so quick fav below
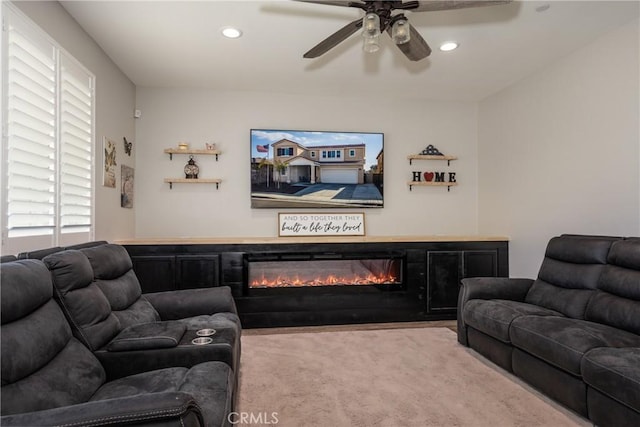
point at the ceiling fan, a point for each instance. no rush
(379, 17)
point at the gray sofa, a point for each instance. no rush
(573, 333)
(50, 378)
(101, 296)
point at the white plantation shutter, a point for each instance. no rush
(48, 110)
(76, 142)
(31, 134)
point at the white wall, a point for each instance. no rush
(198, 116)
(559, 152)
(115, 102)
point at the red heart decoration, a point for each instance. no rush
(428, 176)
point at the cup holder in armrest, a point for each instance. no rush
(201, 341)
(148, 336)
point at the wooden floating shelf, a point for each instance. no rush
(172, 151)
(170, 181)
(432, 184)
(412, 157)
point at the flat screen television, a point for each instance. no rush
(316, 169)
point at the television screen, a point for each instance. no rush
(316, 169)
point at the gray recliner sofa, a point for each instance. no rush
(573, 333)
(101, 296)
(50, 378)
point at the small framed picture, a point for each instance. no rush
(109, 179)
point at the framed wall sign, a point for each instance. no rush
(321, 224)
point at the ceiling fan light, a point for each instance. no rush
(401, 31)
(371, 44)
(371, 25)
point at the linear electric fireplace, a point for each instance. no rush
(325, 270)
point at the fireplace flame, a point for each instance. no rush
(329, 280)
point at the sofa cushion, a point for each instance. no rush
(43, 366)
(562, 341)
(210, 383)
(114, 275)
(83, 303)
(626, 253)
(494, 317)
(569, 273)
(617, 301)
(615, 311)
(29, 287)
(614, 372)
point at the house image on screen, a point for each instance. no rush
(328, 164)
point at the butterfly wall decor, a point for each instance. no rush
(127, 146)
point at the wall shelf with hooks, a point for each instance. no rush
(412, 157)
(171, 181)
(432, 184)
(172, 151)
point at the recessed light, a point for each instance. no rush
(448, 46)
(231, 33)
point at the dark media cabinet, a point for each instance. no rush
(427, 274)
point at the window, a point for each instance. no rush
(47, 153)
(352, 153)
(286, 151)
(331, 154)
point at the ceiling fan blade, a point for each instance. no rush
(335, 3)
(436, 5)
(334, 39)
(416, 48)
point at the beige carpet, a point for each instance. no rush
(388, 377)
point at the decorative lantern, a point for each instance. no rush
(191, 169)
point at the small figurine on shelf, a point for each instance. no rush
(211, 146)
(431, 151)
(191, 169)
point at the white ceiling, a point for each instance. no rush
(178, 44)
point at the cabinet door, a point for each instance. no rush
(197, 271)
(155, 273)
(443, 280)
(480, 264)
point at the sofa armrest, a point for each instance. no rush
(150, 409)
(147, 336)
(172, 305)
(488, 288)
(225, 347)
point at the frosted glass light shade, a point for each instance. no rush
(371, 25)
(401, 31)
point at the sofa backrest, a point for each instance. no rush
(82, 301)
(7, 258)
(113, 274)
(87, 244)
(569, 273)
(617, 300)
(42, 365)
(39, 253)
